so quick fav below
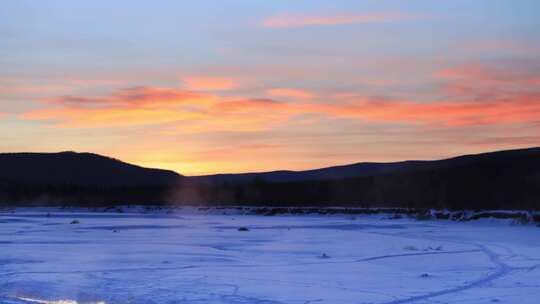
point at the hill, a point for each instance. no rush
(366, 169)
(504, 179)
(335, 172)
(79, 179)
(82, 169)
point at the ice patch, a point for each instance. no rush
(31, 300)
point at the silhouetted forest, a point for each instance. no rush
(497, 180)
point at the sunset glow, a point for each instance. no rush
(212, 87)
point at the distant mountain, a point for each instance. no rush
(365, 169)
(504, 179)
(336, 172)
(80, 169)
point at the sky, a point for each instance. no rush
(205, 87)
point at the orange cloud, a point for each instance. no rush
(190, 111)
(285, 20)
(515, 91)
(523, 109)
(136, 106)
(125, 107)
(289, 92)
(481, 74)
(247, 115)
(138, 97)
(102, 118)
(508, 140)
(247, 105)
(209, 83)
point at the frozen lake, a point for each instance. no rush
(193, 258)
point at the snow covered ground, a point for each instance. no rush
(185, 257)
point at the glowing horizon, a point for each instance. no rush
(205, 88)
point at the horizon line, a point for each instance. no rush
(281, 170)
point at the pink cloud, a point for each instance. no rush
(136, 97)
(136, 106)
(287, 20)
(480, 96)
(204, 83)
(289, 92)
(523, 108)
(482, 74)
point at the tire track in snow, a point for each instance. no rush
(502, 270)
(414, 254)
(101, 270)
(379, 257)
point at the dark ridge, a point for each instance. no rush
(496, 180)
(80, 169)
(337, 172)
(362, 169)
